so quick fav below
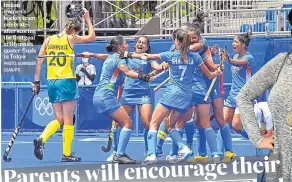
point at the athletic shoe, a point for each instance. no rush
(199, 159)
(70, 158)
(150, 159)
(216, 159)
(171, 158)
(38, 148)
(184, 153)
(228, 157)
(123, 159)
(111, 157)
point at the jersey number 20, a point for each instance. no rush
(61, 61)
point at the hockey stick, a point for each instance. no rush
(16, 131)
(161, 84)
(113, 127)
(264, 171)
(62, 55)
(213, 81)
(156, 75)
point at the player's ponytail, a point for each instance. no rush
(115, 43)
(245, 38)
(72, 25)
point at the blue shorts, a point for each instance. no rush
(62, 90)
(199, 92)
(215, 92)
(175, 98)
(136, 97)
(230, 101)
(181, 111)
(105, 102)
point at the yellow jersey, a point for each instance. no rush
(59, 67)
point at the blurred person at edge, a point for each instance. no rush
(277, 76)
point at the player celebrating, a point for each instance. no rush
(136, 92)
(104, 98)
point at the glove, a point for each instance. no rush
(144, 77)
(36, 87)
(126, 54)
(83, 70)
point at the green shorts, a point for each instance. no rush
(62, 90)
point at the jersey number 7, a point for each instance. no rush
(183, 68)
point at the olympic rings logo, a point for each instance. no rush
(44, 106)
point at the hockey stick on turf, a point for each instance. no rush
(16, 131)
(113, 126)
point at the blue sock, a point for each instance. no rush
(162, 134)
(145, 139)
(190, 130)
(116, 136)
(176, 138)
(211, 139)
(226, 137)
(174, 147)
(244, 133)
(220, 145)
(152, 139)
(123, 141)
(202, 147)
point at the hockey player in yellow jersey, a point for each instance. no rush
(62, 86)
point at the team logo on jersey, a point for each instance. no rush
(289, 118)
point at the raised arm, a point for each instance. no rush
(101, 57)
(264, 79)
(126, 71)
(146, 56)
(234, 62)
(143, 56)
(91, 34)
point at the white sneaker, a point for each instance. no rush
(151, 159)
(111, 157)
(171, 158)
(184, 153)
(216, 159)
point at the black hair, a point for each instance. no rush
(245, 38)
(148, 43)
(73, 24)
(114, 44)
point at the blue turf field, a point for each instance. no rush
(88, 147)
